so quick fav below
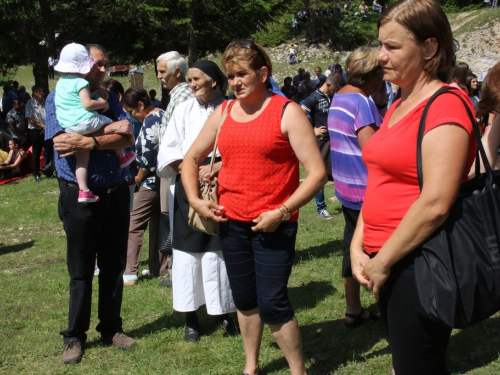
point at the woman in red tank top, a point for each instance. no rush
(261, 142)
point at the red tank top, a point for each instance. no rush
(259, 168)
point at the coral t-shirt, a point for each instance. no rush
(391, 159)
(260, 170)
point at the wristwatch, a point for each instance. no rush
(96, 144)
(285, 212)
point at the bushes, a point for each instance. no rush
(344, 33)
(277, 32)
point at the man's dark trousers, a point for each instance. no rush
(92, 229)
(37, 141)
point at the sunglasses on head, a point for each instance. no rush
(247, 44)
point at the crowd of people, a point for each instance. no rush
(300, 18)
(356, 127)
(22, 118)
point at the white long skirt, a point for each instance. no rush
(199, 279)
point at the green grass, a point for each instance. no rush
(24, 75)
(34, 303)
(34, 295)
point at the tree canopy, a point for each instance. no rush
(131, 31)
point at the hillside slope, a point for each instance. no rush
(477, 35)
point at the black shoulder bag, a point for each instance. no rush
(457, 269)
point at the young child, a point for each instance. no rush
(76, 111)
(154, 102)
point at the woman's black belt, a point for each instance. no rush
(95, 190)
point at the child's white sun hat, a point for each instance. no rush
(74, 59)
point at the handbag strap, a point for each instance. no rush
(223, 118)
(477, 135)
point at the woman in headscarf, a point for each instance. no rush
(198, 273)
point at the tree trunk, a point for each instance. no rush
(41, 72)
(192, 46)
(50, 37)
(312, 24)
(39, 53)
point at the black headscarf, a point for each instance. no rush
(211, 69)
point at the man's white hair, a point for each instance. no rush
(174, 60)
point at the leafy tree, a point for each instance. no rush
(131, 31)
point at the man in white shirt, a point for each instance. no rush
(172, 70)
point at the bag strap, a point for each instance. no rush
(223, 118)
(477, 135)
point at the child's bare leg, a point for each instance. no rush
(82, 163)
(120, 153)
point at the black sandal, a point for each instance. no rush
(358, 319)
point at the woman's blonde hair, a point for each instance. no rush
(249, 52)
(425, 19)
(362, 66)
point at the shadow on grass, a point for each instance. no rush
(319, 251)
(330, 344)
(307, 296)
(167, 321)
(474, 347)
(15, 248)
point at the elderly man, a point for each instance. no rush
(35, 113)
(172, 72)
(99, 229)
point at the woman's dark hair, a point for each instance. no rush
(470, 90)
(460, 72)
(16, 140)
(115, 87)
(490, 91)
(134, 95)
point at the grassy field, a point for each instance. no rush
(25, 77)
(34, 303)
(34, 299)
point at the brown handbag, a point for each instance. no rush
(208, 191)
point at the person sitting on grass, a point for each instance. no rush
(76, 111)
(12, 166)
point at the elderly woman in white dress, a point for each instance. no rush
(198, 273)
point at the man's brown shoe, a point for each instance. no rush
(73, 352)
(120, 340)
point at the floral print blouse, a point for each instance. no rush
(146, 146)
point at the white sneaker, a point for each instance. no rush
(129, 279)
(324, 215)
(146, 273)
(96, 270)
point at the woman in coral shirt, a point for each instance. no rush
(416, 45)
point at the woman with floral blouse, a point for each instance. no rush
(146, 209)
